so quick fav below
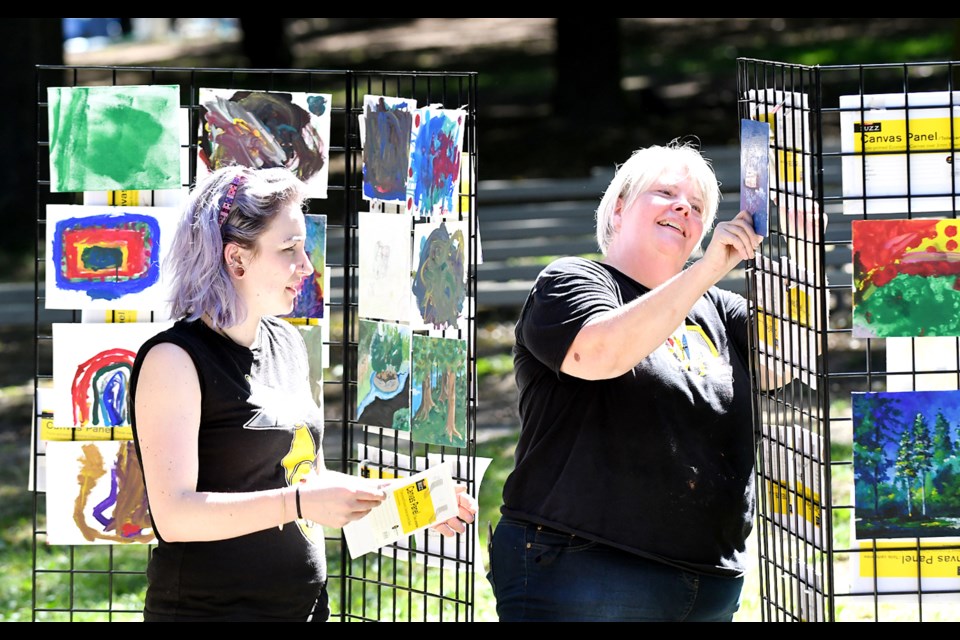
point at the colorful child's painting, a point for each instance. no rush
(309, 303)
(906, 278)
(383, 375)
(260, 129)
(438, 405)
(440, 274)
(96, 494)
(92, 363)
(755, 173)
(114, 137)
(107, 257)
(384, 266)
(435, 161)
(387, 129)
(905, 464)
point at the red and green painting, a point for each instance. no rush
(906, 278)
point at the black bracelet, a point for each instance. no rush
(299, 513)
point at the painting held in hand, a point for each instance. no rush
(260, 130)
(386, 247)
(114, 137)
(107, 257)
(906, 473)
(383, 375)
(438, 404)
(91, 373)
(387, 128)
(309, 302)
(755, 173)
(435, 161)
(440, 276)
(96, 494)
(906, 278)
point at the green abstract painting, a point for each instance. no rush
(114, 138)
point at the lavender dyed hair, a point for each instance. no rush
(201, 281)
(636, 175)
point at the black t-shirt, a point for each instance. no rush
(259, 429)
(659, 461)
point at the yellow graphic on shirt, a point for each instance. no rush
(692, 348)
(300, 460)
(415, 506)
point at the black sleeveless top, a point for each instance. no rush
(259, 429)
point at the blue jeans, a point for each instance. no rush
(539, 574)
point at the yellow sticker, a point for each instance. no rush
(123, 198)
(65, 434)
(415, 505)
(936, 561)
(790, 169)
(779, 498)
(769, 330)
(303, 321)
(926, 134)
(121, 316)
(808, 504)
(797, 306)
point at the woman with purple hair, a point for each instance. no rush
(225, 424)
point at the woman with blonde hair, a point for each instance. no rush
(632, 494)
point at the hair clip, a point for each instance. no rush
(227, 205)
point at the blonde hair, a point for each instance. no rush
(643, 167)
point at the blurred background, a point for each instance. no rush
(558, 96)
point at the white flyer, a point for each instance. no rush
(413, 503)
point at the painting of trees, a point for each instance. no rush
(439, 397)
(906, 471)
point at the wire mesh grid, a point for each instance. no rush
(402, 582)
(856, 507)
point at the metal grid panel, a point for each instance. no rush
(400, 583)
(813, 565)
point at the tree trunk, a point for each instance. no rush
(265, 43)
(427, 404)
(450, 391)
(24, 43)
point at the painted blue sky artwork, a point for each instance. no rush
(906, 461)
(755, 173)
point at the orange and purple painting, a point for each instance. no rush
(906, 278)
(96, 494)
